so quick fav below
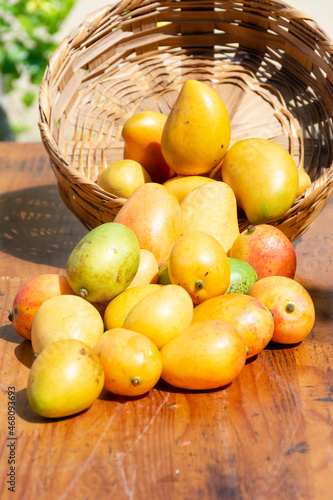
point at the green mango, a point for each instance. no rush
(104, 262)
(163, 275)
(242, 276)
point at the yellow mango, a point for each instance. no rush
(117, 310)
(207, 355)
(304, 181)
(212, 208)
(65, 378)
(263, 176)
(197, 132)
(182, 185)
(147, 272)
(162, 315)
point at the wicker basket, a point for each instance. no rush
(272, 66)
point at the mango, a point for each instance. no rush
(163, 274)
(263, 176)
(291, 306)
(31, 296)
(153, 213)
(131, 362)
(207, 355)
(252, 319)
(118, 308)
(122, 177)
(197, 132)
(142, 136)
(104, 262)
(161, 315)
(212, 208)
(199, 264)
(242, 276)
(66, 378)
(304, 181)
(180, 186)
(147, 273)
(267, 249)
(66, 316)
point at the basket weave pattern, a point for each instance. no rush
(272, 66)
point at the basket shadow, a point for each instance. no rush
(37, 226)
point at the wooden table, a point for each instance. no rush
(269, 435)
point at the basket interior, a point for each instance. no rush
(272, 68)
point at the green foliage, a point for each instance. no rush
(27, 29)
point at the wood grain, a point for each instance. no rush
(268, 435)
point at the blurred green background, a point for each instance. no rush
(30, 30)
(27, 39)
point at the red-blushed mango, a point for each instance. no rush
(291, 305)
(153, 213)
(267, 249)
(207, 355)
(252, 319)
(31, 296)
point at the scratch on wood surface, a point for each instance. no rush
(121, 456)
(127, 487)
(82, 469)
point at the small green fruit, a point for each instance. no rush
(242, 276)
(163, 275)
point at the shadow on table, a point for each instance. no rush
(37, 226)
(23, 411)
(8, 333)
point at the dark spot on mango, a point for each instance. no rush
(136, 381)
(199, 284)
(290, 307)
(83, 292)
(251, 229)
(83, 351)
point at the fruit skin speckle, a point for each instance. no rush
(242, 276)
(267, 250)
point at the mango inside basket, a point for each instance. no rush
(272, 66)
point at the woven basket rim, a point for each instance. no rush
(89, 29)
